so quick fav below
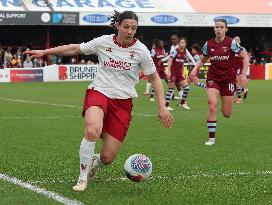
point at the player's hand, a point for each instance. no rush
(167, 73)
(35, 53)
(193, 75)
(244, 81)
(165, 117)
(160, 63)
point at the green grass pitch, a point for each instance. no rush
(39, 144)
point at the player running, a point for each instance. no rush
(221, 75)
(175, 69)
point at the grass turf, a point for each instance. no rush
(39, 144)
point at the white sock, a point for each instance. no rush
(97, 163)
(147, 88)
(86, 153)
(180, 94)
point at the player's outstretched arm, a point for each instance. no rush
(66, 50)
(245, 57)
(199, 64)
(164, 115)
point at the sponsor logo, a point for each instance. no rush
(62, 73)
(45, 17)
(33, 75)
(164, 19)
(220, 58)
(57, 17)
(96, 18)
(121, 65)
(82, 72)
(109, 50)
(229, 19)
(180, 60)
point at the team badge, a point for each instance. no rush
(224, 49)
(132, 54)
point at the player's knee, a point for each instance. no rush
(226, 114)
(106, 158)
(212, 107)
(92, 132)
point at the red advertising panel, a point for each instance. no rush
(31, 75)
(257, 72)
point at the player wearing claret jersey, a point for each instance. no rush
(157, 53)
(221, 75)
(238, 67)
(175, 69)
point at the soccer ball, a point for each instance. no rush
(138, 167)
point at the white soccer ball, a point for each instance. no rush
(138, 167)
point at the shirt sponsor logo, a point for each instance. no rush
(164, 19)
(229, 19)
(220, 58)
(96, 18)
(122, 65)
(179, 60)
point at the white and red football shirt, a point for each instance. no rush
(119, 66)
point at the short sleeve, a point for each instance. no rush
(90, 47)
(205, 49)
(235, 47)
(174, 53)
(146, 62)
(153, 53)
(196, 57)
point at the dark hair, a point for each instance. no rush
(222, 20)
(182, 38)
(196, 47)
(174, 34)
(116, 18)
(156, 42)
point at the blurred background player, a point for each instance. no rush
(196, 53)
(175, 69)
(157, 53)
(108, 100)
(221, 75)
(238, 67)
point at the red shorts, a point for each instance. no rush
(177, 77)
(161, 73)
(117, 112)
(225, 88)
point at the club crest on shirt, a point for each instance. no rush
(225, 49)
(132, 54)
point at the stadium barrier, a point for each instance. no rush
(55, 73)
(261, 72)
(52, 73)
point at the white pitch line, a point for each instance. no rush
(63, 105)
(40, 103)
(154, 178)
(38, 117)
(48, 194)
